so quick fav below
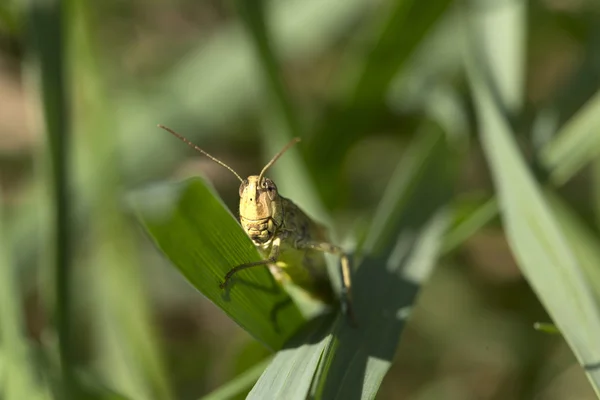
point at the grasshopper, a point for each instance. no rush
(291, 243)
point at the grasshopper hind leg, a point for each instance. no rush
(346, 295)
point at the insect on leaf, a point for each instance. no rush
(192, 227)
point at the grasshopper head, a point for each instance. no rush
(260, 208)
(261, 211)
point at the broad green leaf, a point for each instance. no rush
(533, 232)
(203, 240)
(401, 249)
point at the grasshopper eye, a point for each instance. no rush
(243, 186)
(269, 185)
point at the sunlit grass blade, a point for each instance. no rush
(501, 32)
(576, 144)
(534, 234)
(584, 243)
(290, 374)
(240, 384)
(203, 240)
(401, 249)
(596, 190)
(546, 328)
(470, 225)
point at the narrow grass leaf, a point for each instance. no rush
(291, 373)
(252, 13)
(127, 356)
(501, 31)
(535, 237)
(393, 39)
(17, 372)
(584, 243)
(203, 240)
(47, 23)
(240, 383)
(596, 191)
(576, 144)
(470, 225)
(401, 249)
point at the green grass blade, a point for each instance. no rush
(470, 225)
(535, 237)
(47, 22)
(126, 356)
(584, 243)
(401, 249)
(596, 190)
(501, 32)
(252, 12)
(291, 373)
(402, 28)
(546, 328)
(203, 240)
(240, 383)
(16, 369)
(576, 144)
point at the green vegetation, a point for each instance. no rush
(451, 147)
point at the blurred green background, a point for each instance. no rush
(359, 81)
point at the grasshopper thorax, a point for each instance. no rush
(261, 212)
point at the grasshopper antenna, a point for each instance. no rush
(192, 145)
(270, 164)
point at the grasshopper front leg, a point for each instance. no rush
(346, 294)
(273, 256)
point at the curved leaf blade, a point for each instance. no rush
(291, 373)
(534, 233)
(192, 227)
